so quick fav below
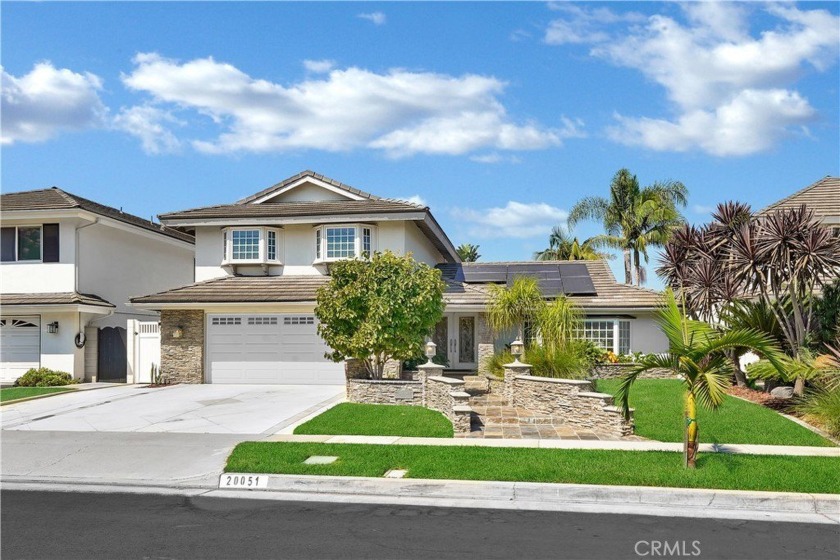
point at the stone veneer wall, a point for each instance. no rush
(386, 391)
(182, 359)
(572, 401)
(486, 348)
(612, 371)
(446, 395)
(355, 369)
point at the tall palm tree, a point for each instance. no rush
(468, 252)
(697, 353)
(562, 247)
(634, 218)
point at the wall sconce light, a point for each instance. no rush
(53, 327)
(517, 348)
(178, 332)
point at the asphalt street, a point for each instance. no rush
(38, 524)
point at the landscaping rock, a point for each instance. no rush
(782, 393)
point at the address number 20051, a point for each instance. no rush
(243, 481)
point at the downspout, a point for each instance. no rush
(80, 337)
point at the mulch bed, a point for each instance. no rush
(762, 398)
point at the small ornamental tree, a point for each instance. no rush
(378, 309)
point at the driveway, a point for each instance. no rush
(192, 409)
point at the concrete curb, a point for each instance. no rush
(738, 449)
(637, 500)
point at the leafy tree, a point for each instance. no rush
(468, 252)
(827, 311)
(379, 308)
(697, 355)
(561, 247)
(634, 218)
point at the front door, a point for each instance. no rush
(455, 337)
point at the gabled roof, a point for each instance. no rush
(57, 199)
(823, 197)
(296, 209)
(609, 293)
(53, 298)
(306, 173)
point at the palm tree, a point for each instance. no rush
(697, 354)
(634, 218)
(514, 305)
(468, 252)
(563, 248)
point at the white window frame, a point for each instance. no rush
(17, 260)
(358, 240)
(262, 258)
(616, 332)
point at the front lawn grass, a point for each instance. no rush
(13, 393)
(623, 468)
(659, 405)
(378, 420)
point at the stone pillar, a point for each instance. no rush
(425, 371)
(486, 348)
(182, 357)
(511, 371)
(393, 369)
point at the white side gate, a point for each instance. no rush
(143, 350)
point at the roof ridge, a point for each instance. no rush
(66, 195)
(795, 194)
(301, 175)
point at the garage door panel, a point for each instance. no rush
(20, 346)
(268, 349)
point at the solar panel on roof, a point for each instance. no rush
(484, 275)
(573, 269)
(551, 287)
(578, 285)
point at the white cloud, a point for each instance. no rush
(148, 124)
(39, 105)
(415, 199)
(515, 220)
(378, 18)
(399, 112)
(318, 66)
(701, 209)
(495, 157)
(583, 25)
(730, 91)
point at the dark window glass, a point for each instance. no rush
(51, 251)
(29, 243)
(8, 244)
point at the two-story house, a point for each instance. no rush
(249, 317)
(69, 266)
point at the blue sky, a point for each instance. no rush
(498, 115)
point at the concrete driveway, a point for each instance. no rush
(191, 409)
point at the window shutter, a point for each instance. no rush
(51, 252)
(7, 244)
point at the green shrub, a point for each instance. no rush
(44, 377)
(568, 361)
(822, 407)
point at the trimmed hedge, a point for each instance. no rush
(44, 377)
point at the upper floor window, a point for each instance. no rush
(29, 243)
(255, 245)
(334, 243)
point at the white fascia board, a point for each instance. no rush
(314, 220)
(143, 232)
(441, 235)
(302, 181)
(605, 311)
(46, 308)
(45, 215)
(232, 307)
(464, 307)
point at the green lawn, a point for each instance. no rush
(624, 468)
(13, 393)
(378, 420)
(659, 404)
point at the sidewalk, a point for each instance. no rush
(742, 449)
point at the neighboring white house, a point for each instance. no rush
(69, 267)
(249, 318)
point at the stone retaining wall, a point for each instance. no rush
(612, 371)
(447, 396)
(386, 391)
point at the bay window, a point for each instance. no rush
(345, 241)
(251, 245)
(609, 334)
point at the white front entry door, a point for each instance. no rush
(455, 336)
(20, 346)
(268, 349)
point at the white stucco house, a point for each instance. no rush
(249, 315)
(69, 267)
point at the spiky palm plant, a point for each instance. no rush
(468, 252)
(562, 247)
(697, 355)
(511, 306)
